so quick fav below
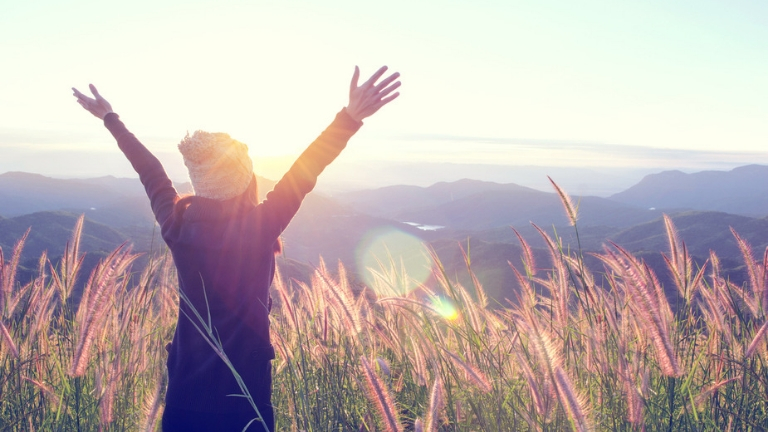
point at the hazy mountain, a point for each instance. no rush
(597, 181)
(24, 193)
(701, 232)
(392, 201)
(742, 190)
(474, 213)
(477, 205)
(50, 231)
(110, 200)
(490, 263)
(324, 227)
(123, 186)
(117, 202)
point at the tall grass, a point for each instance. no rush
(575, 351)
(95, 363)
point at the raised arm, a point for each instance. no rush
(282, 203)
(162, 194)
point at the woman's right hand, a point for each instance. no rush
(366, 99)
(96, 105)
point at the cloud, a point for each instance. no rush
(42, 139)
(582, 153)
(99, 139)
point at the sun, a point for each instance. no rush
(272, 167)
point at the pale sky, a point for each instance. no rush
(579, 83)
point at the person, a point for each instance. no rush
(223, 243)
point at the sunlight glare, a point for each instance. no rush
(445, 308)
(401, 258)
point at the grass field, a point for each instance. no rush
(576, 350)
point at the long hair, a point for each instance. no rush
(250, 197)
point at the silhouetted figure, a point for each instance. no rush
(223, 243)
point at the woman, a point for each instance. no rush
(223, 243)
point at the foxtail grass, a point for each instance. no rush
(577, 347)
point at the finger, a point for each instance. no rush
(85, 100)
(388, 90)
(390, 98)
(77, 93)
(375, 76)
(355, 78)
(388, 80)
(374, 107)
(94, 91)
(386, 100)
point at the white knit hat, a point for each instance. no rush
(219, 166)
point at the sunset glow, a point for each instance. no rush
(495, 82)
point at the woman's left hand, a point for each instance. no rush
(96, 105)
(366, 99)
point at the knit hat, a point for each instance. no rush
(219, 166)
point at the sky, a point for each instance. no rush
(591, 84)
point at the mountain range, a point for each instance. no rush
(448, 216)
(742, 190)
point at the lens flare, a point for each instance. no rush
(392, 262)
(445, 308)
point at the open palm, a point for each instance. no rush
(366, 99)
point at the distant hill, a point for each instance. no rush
(702, 232)
(335, 227)
(742, 190)
(391, 201)
(24, 193)
(110, 200)
(324, 227)
(489, 263)
(477, 205)
(117, 202)
(596, 181)
(50, 231)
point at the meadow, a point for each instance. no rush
(577, 350)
